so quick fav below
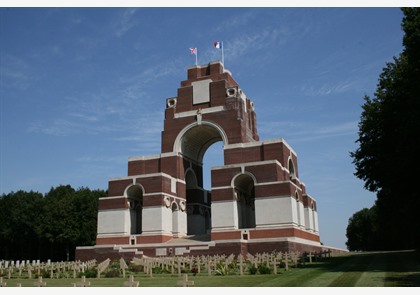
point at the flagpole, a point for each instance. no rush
(196, 57)
(223, 58)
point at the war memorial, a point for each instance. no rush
(257, 202)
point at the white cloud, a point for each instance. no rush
(328, 88)
(15, 72)
(125, 22)
(59, 127)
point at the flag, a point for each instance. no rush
(193, 51)
(218, 44)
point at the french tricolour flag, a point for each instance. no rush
(218, 44)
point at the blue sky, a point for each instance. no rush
(84, 89)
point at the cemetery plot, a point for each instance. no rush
(262, 269)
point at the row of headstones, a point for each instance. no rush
(210, 263)
(179, 263)
(53, 268)
(19, 263)
(82, 283)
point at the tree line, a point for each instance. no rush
(388, 156)
(48, 226)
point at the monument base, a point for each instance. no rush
(198, 245)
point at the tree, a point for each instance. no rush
(18, 224)
(361, 230)
(388, 156)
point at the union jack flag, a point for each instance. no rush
(193, 51)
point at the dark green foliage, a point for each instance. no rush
(361, 230)
(160, 270)
(50, 226)
(252, 269)
(389, 139)
(135, 268)
(264, 269)
(112, 273)
(89, 273)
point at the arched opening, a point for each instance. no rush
(193, 144)
(292, 172)
(245, 194)
(135, 201)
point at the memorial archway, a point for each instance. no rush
(192, 144)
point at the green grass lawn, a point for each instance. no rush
(379, 269)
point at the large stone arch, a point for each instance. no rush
(192, 143)
(194, 140)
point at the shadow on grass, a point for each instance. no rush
(402, 268)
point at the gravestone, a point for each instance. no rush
(131, 282)
(29, 269)
(102, 266)
(310, 257)
(123, 266)
(82, 283)
(40, 283)
(185, 282)
(241, 266)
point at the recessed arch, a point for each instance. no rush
(240, 176)
(291, 167)
(134, 194)
(244, 188)
(191, 179)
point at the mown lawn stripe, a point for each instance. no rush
(374, 275)
(403, 269)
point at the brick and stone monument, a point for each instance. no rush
(256, 203)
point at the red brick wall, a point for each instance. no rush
(113, 240)
(120, 203)
(228, 235)
(139, 167)
(117, 187)
(275, 189)
(152, 239)
(264, 173)
(222, 194)
(223, 177)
